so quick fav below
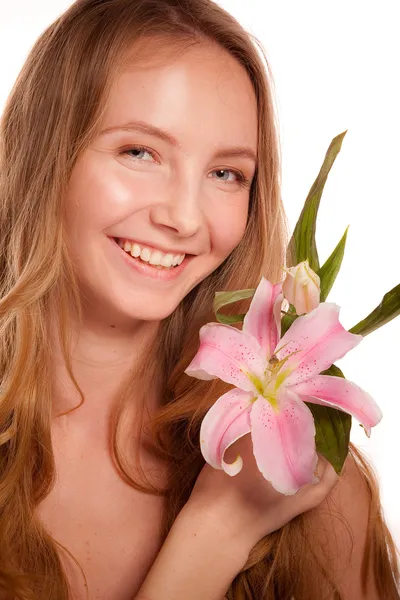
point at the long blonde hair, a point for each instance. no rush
(50, 117)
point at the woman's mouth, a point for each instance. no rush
(151, 256)
(143, 266)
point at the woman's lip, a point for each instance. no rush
(148, 270)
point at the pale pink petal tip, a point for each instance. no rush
(198, 373)
(367, 430)
(234, 468)
(226, 421)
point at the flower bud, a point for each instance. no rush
(302, 287)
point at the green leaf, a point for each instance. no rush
(332, 434)
(287, 321)
(302, 245)
(332, 428)
(329, 270)
(388, 309)
(224, 298)
(333, 371)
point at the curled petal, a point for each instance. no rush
(263, 319)
(226, 421)
(229, 354)
(342, 394)
(283, 442)
(316, 340)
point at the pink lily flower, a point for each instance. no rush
(273, 377)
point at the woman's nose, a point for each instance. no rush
(179, 209)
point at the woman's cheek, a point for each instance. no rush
(232, 220)
(228, 232)
(118, 198)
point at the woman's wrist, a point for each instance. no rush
(218, 518)
(199, 559)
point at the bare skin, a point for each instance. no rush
(109, 527)
(176, 200)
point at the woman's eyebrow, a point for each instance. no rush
(142, 127)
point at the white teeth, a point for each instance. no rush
(135, 250)
(153, 257)
(166, 260)
(145, 254)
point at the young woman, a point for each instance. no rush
(148, 127)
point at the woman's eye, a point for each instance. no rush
(138, 150)
(136, 153)
(240, 178)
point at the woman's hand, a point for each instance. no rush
(246, 506)
(212, 536)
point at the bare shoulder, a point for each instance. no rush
(339, 535)
(340, 525)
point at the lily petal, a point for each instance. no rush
(229, 354)
(319, 339)
(283, 442)
(342, 394)
(263, 319)
(226, 421)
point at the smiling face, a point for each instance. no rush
(171, 170)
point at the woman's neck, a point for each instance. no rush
(102, 358)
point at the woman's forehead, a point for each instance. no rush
(203, 88)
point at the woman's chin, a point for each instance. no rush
(143, 310)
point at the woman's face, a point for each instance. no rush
(164, 175)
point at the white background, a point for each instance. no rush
(336, 67)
